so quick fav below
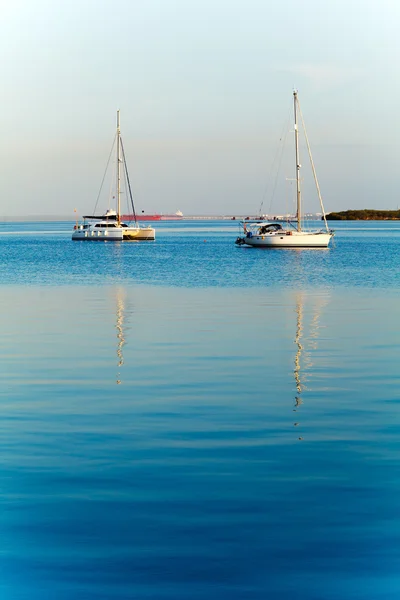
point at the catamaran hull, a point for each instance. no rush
(98, 236)
(140, 234)
(294, 240)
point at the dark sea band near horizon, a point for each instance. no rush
(186, 418)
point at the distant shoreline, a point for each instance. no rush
(72, 219)
(364, 215)
(347, 215)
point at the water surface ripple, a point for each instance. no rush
(199, 254)
(188, 419)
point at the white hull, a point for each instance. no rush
(290, 239)
(91, 235)
(139, 233)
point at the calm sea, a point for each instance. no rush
(189, 419)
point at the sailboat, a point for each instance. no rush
(109, 226)
(266, 234)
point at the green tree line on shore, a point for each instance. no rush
(366, 214)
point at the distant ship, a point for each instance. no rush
(154, 217)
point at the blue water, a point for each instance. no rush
(190, 419)
(199, 254)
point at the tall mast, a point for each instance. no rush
(313, 168)
(118, 170)
(296, 137)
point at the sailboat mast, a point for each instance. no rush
(118, 170)
(296, 137)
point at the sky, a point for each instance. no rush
(205, 93)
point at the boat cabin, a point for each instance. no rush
(261, 228)
(269, 228)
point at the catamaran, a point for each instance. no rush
(109, 226)
(267, 234)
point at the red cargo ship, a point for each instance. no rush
(154, 217)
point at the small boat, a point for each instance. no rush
(267, 234)
(177, 216)
(110, 226)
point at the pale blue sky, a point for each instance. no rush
(204, 88)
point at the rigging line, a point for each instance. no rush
(289, 202)
(127, 178)
(278, 155)
(112, 192)
(125, 190)
(104, 176)
(279, 168)
(313, 167)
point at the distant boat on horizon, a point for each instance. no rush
(155, 217)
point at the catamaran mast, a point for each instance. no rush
(118, 171)
(296, 137)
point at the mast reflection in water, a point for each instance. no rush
(120, 302)
(303, 361)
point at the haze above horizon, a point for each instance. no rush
(205, 93)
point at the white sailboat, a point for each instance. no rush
(109, 226)
(267, 234)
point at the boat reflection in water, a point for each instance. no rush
(307, 344)
(297, 341)
(121, 306)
